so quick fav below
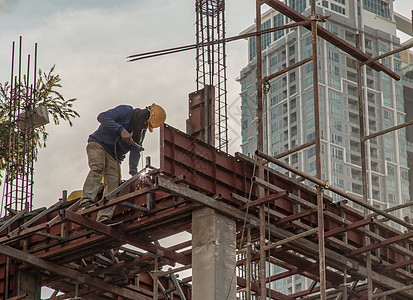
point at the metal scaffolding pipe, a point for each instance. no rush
(336, 190)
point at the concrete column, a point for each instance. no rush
(29, 283)
(213, 256)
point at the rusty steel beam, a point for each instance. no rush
(291, 238)
(66, 272)
(296, 216)
(289, 68)
(270, 292)
(139, 241)
(405, 47)
(354, 225)
(382, 244)
(265, 199)
(328, 36)
(397, 265)
(334, 189)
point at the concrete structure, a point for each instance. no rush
(289, 109)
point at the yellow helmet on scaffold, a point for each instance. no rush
(157, 117)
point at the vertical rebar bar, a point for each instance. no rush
(363, 164)
(248, 265)
(320, 212)
(260, 146)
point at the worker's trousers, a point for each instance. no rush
(102, 165)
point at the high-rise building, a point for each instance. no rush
(288, 115)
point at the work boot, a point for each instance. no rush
(86, 204)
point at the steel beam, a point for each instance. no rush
(265, 199)
(67, 272)
(334, 189)
(137, 240)
(296, 216)
(382, 244)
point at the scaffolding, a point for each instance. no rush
(346, 253)
(320, 185)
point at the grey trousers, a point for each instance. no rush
(102, 165)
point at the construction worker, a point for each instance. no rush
(121, 130)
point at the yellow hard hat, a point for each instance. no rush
(158, 116)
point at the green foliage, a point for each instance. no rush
(46, 94)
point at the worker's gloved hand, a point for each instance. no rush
(126, 136)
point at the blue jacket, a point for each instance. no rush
(112, 122)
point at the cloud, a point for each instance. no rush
(6, 4)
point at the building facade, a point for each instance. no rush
(288, 103)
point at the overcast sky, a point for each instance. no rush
(89, 41)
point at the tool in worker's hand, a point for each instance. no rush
(134, 144)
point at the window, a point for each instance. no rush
(333, 56)
(311, 167)
(405, 189)
(369, 44)
(336, 112)
(338, 8)
(311, 136)
(338, 168)
(266, 38)
(275, 99)
(308, 53)
(387, 115)
(310, 124)
(308, 68)
(388, 142)
(274, 127)
(298, 5)
(378, 7)
(400, 119)
(252, 47)
(332, 28)
(383, 48)
(389, 156)
(274, 61)
(390, 170)
(311, 152)
(334, 70)
(337, 139)
(405, 174)
(308, 82)
(308, 96)
(337, 153)
(403, 161)
(334, 83)
(275, 140)
(293, 103)
(278, 21)
(386, 87)
(391, 198)
(309, 110)
(276, 112)
(338, 182)
(391, 184)
(336, 125)
(334, 97)
(308, 41)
